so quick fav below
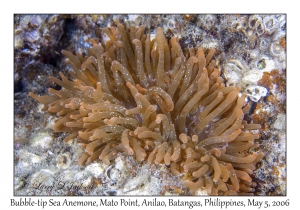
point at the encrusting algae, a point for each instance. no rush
(147, 99)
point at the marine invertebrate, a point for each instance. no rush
(146, 98)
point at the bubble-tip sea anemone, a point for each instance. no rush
(146, 98)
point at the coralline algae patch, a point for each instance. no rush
(254, 45)
(42, 140)
(271, 113)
